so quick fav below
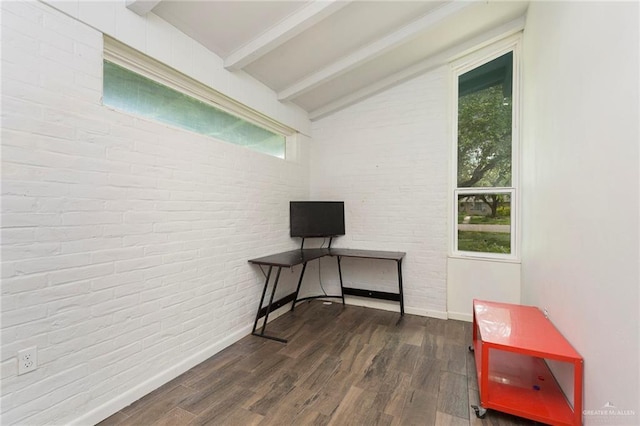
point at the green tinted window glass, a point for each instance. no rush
(131, 92)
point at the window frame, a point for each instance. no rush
(139, 63)
(460, 66)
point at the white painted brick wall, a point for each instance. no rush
(124, 241)
(388, 159)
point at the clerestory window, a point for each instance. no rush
(139, 85)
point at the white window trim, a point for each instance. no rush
(124, 56)
(460, 66)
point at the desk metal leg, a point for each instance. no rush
(340, 275)
(295, 299)
(264, 292)
(273, 293)
(400, 287)
(268, 307)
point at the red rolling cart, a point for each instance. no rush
(511, 343)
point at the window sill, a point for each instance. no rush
(483, 258)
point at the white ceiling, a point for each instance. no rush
(324, 55)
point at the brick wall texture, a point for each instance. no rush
(387, 157)
(125, 241)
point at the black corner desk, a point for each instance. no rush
(292, 258)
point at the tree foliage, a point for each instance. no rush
(484, 142)
(484, 139)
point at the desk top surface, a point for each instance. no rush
(297, 257)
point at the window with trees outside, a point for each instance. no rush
(485, 192)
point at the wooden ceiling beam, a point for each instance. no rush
(142, 7)
(434, 61)
(377, 48)
(277, 35)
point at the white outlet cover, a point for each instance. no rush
(27, 360)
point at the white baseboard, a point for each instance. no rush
(132, 395)
(426, 313)
(372, 303)
(392, 306)
(460, 316)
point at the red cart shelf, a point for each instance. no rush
(511, 343)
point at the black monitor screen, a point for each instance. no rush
(316, 218)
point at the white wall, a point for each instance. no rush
(124, 241)
(581, 190)
(469, 279)
(387, 158)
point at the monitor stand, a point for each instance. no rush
(302, 245)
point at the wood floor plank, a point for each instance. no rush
(308, 418)
(456, 331)
(321, 374)
(291, 408)
(362, 358)
(152, 397)
(443, 419)
(158, 408)
(431, 344)
(411, 333)
(376, 369)
(223, 360)
(346, 405)
(331, 395)
(338, 342)
(358, 408)
(218, 408)
(349, 352)
(343, 365)
(419, 408)
(435, 326)
(219, 380)
(472, 375)
(177, 416)
(404, 357)
(265, 367)
(453, 395)
(455, 357)
(240, 417)
(272, 395)
(392, 394)
(426, 375)
(203, 397)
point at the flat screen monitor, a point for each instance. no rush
(316, 218)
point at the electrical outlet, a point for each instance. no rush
(27, 360)
(546, 313)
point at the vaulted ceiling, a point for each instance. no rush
(324, 55)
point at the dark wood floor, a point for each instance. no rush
(342, 366)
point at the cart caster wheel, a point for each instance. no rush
(471, 348)
(480, 411)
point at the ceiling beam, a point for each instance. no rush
(277, 35)
(377, 48)
(437, 60)
(142, 7)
